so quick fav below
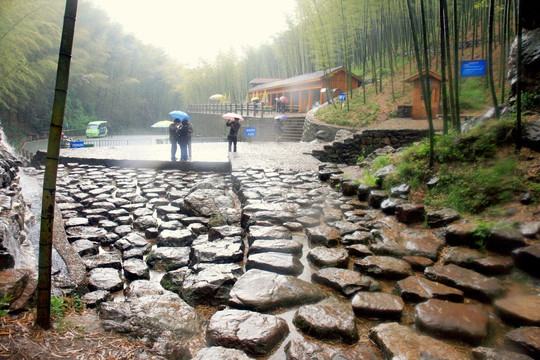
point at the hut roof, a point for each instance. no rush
(416, 76)
(301, 78)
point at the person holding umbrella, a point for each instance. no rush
(173, 138)
(184, 135)
(234, 126)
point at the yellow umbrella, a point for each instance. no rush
(216, 97)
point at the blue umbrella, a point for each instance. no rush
(280, 117)
(177, 114)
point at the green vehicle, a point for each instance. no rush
(97, 129)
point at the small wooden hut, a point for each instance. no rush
(418, 107)
(305, 91)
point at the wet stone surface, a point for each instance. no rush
(286, 266)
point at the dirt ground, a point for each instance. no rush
(77, 336)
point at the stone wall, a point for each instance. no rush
(317, 131)
(362, 143)
(12, 207)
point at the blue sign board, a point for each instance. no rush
(77, 144)
(251, 132)
(342, 97)
(473, 68)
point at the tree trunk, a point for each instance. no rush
(51, 166)
(490, 58)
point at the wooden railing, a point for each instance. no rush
(243, 109)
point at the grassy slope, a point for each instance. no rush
(487, 184)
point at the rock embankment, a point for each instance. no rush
(292, 268)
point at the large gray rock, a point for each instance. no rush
(227, 250)
(484, 353)
(303, 348)
(417, 289)
(286, 264)
(213, 202)
(470, 282)
(345, 281)
(384, 267)
(520, 310)
(169, 258)
(331, 319)
(265, 291)
(147, 311)
(175, 238)
(110, 259)
(527, 258)
(446, 319)
(136, 269)
(377, 305)
(279, 246)
(402, 342)
(105, 279)
(211, 285)
(256, 334)
(441, 217)
(504, 240)
(321, 257)
(323, 234)
(220, 353)
(525, 340)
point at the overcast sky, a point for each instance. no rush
(199, 29)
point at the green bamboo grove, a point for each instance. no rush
(117, 78)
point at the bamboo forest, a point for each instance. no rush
(116, 77)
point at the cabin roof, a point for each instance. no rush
(300, 79)
(416, 76)
(263, 80)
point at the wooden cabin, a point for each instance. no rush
(305, 91)
(418, 106)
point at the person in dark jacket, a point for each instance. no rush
(184, 134)
(234, 126)
(173, 138)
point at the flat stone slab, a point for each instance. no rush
(256, 334)
(107, 279)
(219, 251)
(169, 258)
(384, 267)
(211, 285)
(324, 257)
(303, 348)
(220, 353)
(110, 259)
(402, 342)
(323, 234)
(285, 264)
(136, 269)
(175, 238)
(525, 340)
(331, 319)
(519, 310)
(527, 258)
(260, 290)
(417, 289)
(220, 232)
(484, 353)
(275, 232)
(377, 305)
(348, 282)
(464, 322)
(146, 312)
(280, 246)
(470, 282)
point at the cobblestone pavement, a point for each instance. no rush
(286, 155)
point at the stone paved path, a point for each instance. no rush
(289, 267)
